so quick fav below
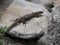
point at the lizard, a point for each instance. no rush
(24, 19)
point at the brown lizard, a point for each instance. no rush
(24, 19)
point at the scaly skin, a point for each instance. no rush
(24, 19)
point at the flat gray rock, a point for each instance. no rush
(33, 27)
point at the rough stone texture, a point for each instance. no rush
(43, 2)
(10, 10)
(56, 2)
(53, 36)
(56, 13)
(48, 4)
(20, 8)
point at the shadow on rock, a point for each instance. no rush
(20, 41)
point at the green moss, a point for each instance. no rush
(2, 31)
(1, 42)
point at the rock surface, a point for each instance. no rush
(20, 8)
(52, 37)
(48, 4)
(56, 13)
(56, 2)
(43, 2)
(12, 9)
(32, 28)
